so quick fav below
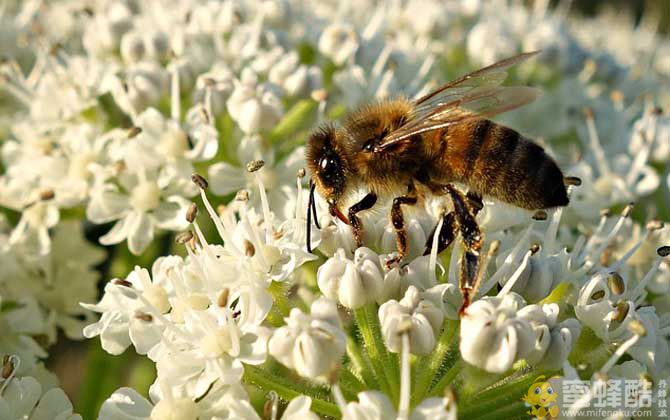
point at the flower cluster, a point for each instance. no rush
(150, 128)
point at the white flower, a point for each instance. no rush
(294, 78)
(24, 398)
(420, 318)
(491, 40)
(652, 131)
(220, 402)
(339, 42)
(373, 405)
(351, 283)
(312, 344)
(253, 105)
(492, 337)
(129, 309)
(140, 205)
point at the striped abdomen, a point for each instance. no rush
(497, 161)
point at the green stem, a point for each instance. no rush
(448, 378)
(350, 384)
(279, 296)
(368, 324)
(287, 390)
(361, 364)
(516, 410)
(427, 369)
(501, 396)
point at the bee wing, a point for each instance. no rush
(475, 95)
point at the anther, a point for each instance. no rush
(143, 316)
(205, 115)
(654, 224)
(601, 377)
(494, 247)
(573, 180)
(122, 282)
(627, 210)
(637, 328)
(605, 213)
(199, 180)
(621, 311)
(534, 249)
(255, 165)
(209, 82)
(57, 46)
(319, 95)
(588, 112)
(540, 215)
(184, 237)
(242, 195)
(598, 295)
(301, 173)
(222, 300)
(657, 111)
(7, 367)
(249, 249)
(192, 213)
(615, 283)
(46, 195)
(646, 379)
(616, 96)
(133, 132)
(663, 251)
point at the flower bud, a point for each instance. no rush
(351, 283)
(311, 344)
(421, 319)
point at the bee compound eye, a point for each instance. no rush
(538, 390)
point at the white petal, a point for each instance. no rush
(140, 233)
(125, 404)
(225, 179)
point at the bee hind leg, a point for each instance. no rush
(472, 241)
(447, 234)
(356, 226)
(398, 222)
(465, 209)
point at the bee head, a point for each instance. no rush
(327, 162)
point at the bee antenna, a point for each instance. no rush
(310, 204)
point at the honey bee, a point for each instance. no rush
(408, 149)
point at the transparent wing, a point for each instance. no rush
(472, 96)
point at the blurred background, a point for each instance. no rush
(89, 375)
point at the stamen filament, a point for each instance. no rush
(432, 262)
(405, 379)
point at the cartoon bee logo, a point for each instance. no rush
(542, 399)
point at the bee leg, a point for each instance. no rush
(475, 202)
(447, 234)
(356, 227)
(398, 222)
(472, 241)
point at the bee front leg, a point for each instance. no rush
(356, 226)
(398, 222)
